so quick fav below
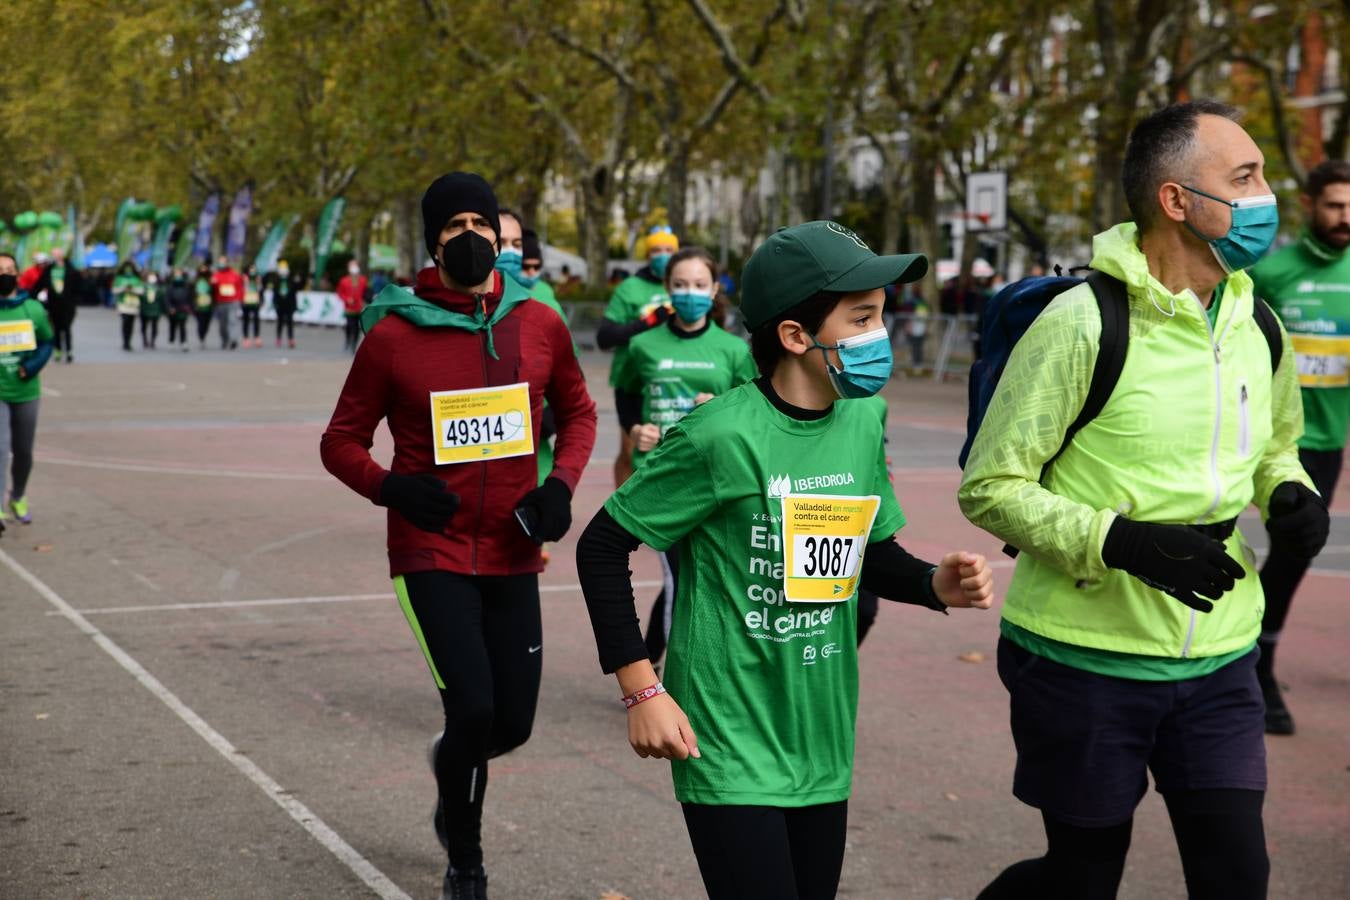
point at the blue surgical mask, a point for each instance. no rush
(1255, 222)
(528, 281)
(508, 262)
(691, 306)
(866, 361)
(659, 263)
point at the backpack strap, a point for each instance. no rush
(1270, 327)
(1114, 304)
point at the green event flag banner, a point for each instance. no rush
(165, 220)
(182, 257)
(327, 230)
(270, 251)
(121, 227)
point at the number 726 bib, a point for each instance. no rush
(824, 537)
(481, 423)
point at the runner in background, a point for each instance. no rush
(227, 293)
(285, 295)
(179, 308)
(201, 304)
(25, 347)
(638, 303)
(252, 308)
(351, 290)
(666, 373)
(128, 292)
(152, 307)
(63, 285)
(779, 499)
(466, 514)
(1308, 285)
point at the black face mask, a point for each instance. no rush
(7, 284)
(468, 259)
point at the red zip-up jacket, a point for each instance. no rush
(399, 365)
(227, 286)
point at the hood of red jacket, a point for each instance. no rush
(429, 287)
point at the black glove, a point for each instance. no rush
(548, 509)
(421, 499)
(1298, 521)
(1177, 560)
(656, 316)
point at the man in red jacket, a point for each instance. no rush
(227, 292)
(460, 369)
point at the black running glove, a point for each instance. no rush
(1177, 560)
(421, 499)
(548, 509)
(1298, 521)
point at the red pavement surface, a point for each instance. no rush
(161, 484)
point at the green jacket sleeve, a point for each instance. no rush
(1041, 392)
(1279, 463)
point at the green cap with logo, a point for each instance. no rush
(797, 263)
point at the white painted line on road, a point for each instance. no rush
(174, 470)
(298, 601)
(376, 880)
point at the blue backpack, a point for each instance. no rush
(1012, 310)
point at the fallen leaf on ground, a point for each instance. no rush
(950, 796)
(43, 548)
(971, 656)
(40, 716)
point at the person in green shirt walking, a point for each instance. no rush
(128, 294)
(1129, 629)
(153, 302)
(776, 492)
(1308, 284)
(25, 347)
(668, 371)
(639, 302)
(202, 303)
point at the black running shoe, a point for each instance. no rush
(469, 884)
(1278, 718)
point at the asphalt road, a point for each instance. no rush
(207, 690)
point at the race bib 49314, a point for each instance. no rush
(17, 336)
(481, 423)
(824, 537)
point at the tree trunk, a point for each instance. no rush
(407, 236)
(596, 191)
(923, 211)
(677, 188)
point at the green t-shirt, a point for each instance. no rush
(669, 368)
(1134, 666)
(1308, 286)
(770, 686)
(129, 291)
(634, 298)
(202, 293)
(153, 300)
(58, 280)
(23, 325)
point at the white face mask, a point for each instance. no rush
(353, 270)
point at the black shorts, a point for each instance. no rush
(1086, 742)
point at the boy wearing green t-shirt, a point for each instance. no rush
(778, 497)
(25, 347)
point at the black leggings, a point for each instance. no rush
(353, 334)
(61, 335)
(128, 329)
(252, 322)
(768, 852)
(149, 330)
(178, 329)
(1281, 574)
(1220, 835)
(483, 640)
(203, 323)
(286, 319)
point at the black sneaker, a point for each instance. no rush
(1278, 718)
(469, 884)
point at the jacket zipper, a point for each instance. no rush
(482, 466)
(1214, 342)
(1244, 422)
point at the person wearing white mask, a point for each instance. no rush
(351, 290)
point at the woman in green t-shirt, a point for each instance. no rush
(201, 303)
(779, 499)
(667, 371)
(25, 347)
(152, 307)
(128, 294)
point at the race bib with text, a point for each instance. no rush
(1323, 360)
(17, 336)
(824, 537)
(481, 423)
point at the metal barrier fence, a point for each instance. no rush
(936, 346)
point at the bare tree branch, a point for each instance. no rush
(730, 58)
(1283, 135)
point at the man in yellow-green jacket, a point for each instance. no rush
(1130, 626)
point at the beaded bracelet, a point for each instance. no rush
(646, 693)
